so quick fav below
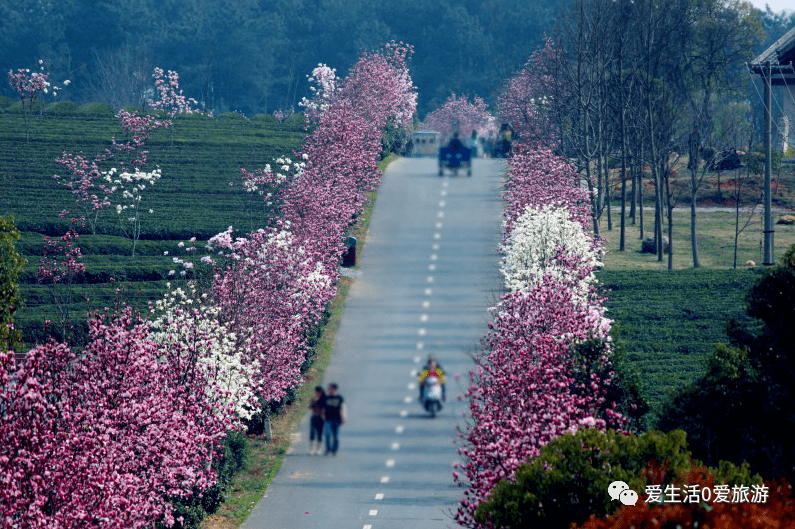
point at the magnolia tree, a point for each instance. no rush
(32, 86)
(105, 437)
(534, 246)
(273, 290)
(525, 99)
(524, 391)
(170, 97)
(538, 178)
(131, 187)
(546, 366)
(84, 181)
(458, 115)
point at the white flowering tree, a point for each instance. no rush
(548, 241)
(193, 333)
(130, 187)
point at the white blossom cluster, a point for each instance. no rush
(131, 185)
(326, 79)
(532, 249)
(188, 320)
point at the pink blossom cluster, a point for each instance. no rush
(529, 385)
(539, 178)
(170, 95)
(61, 260)
(461, 116)
(32, 85)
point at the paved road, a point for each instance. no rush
(428, 274)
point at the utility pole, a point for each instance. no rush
(768, 248)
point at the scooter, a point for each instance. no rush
(432, 395)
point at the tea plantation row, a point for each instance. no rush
(669, 321)
(199, 195)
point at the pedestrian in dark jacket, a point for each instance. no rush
(336, 416)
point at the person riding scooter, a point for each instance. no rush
(432, 370)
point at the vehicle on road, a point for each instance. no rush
(454, 159)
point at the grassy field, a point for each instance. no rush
(199, 195)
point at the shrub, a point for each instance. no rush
(6, 102)
(60, 108)
(568, 481)
(96, 109)
(11, 264)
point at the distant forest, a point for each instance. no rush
(253, 56)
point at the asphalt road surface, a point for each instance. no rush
(427, 276)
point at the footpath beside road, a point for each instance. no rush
(427, 276)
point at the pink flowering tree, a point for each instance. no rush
(525, 391)
(170, 96)
(538, 178)
(525, 100)
(59, 268)
(31, 87)
(84, 180)
(104, 438)
(458, 115)
(272, 291)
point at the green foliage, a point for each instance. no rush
(11, 263)
(6, 102)
(569, 480)
(96, 109)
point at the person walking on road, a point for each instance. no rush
(317, 422)
(336, 415)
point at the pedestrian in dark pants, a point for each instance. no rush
(335, 416)
(316, 423)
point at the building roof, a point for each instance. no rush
(779, 58)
